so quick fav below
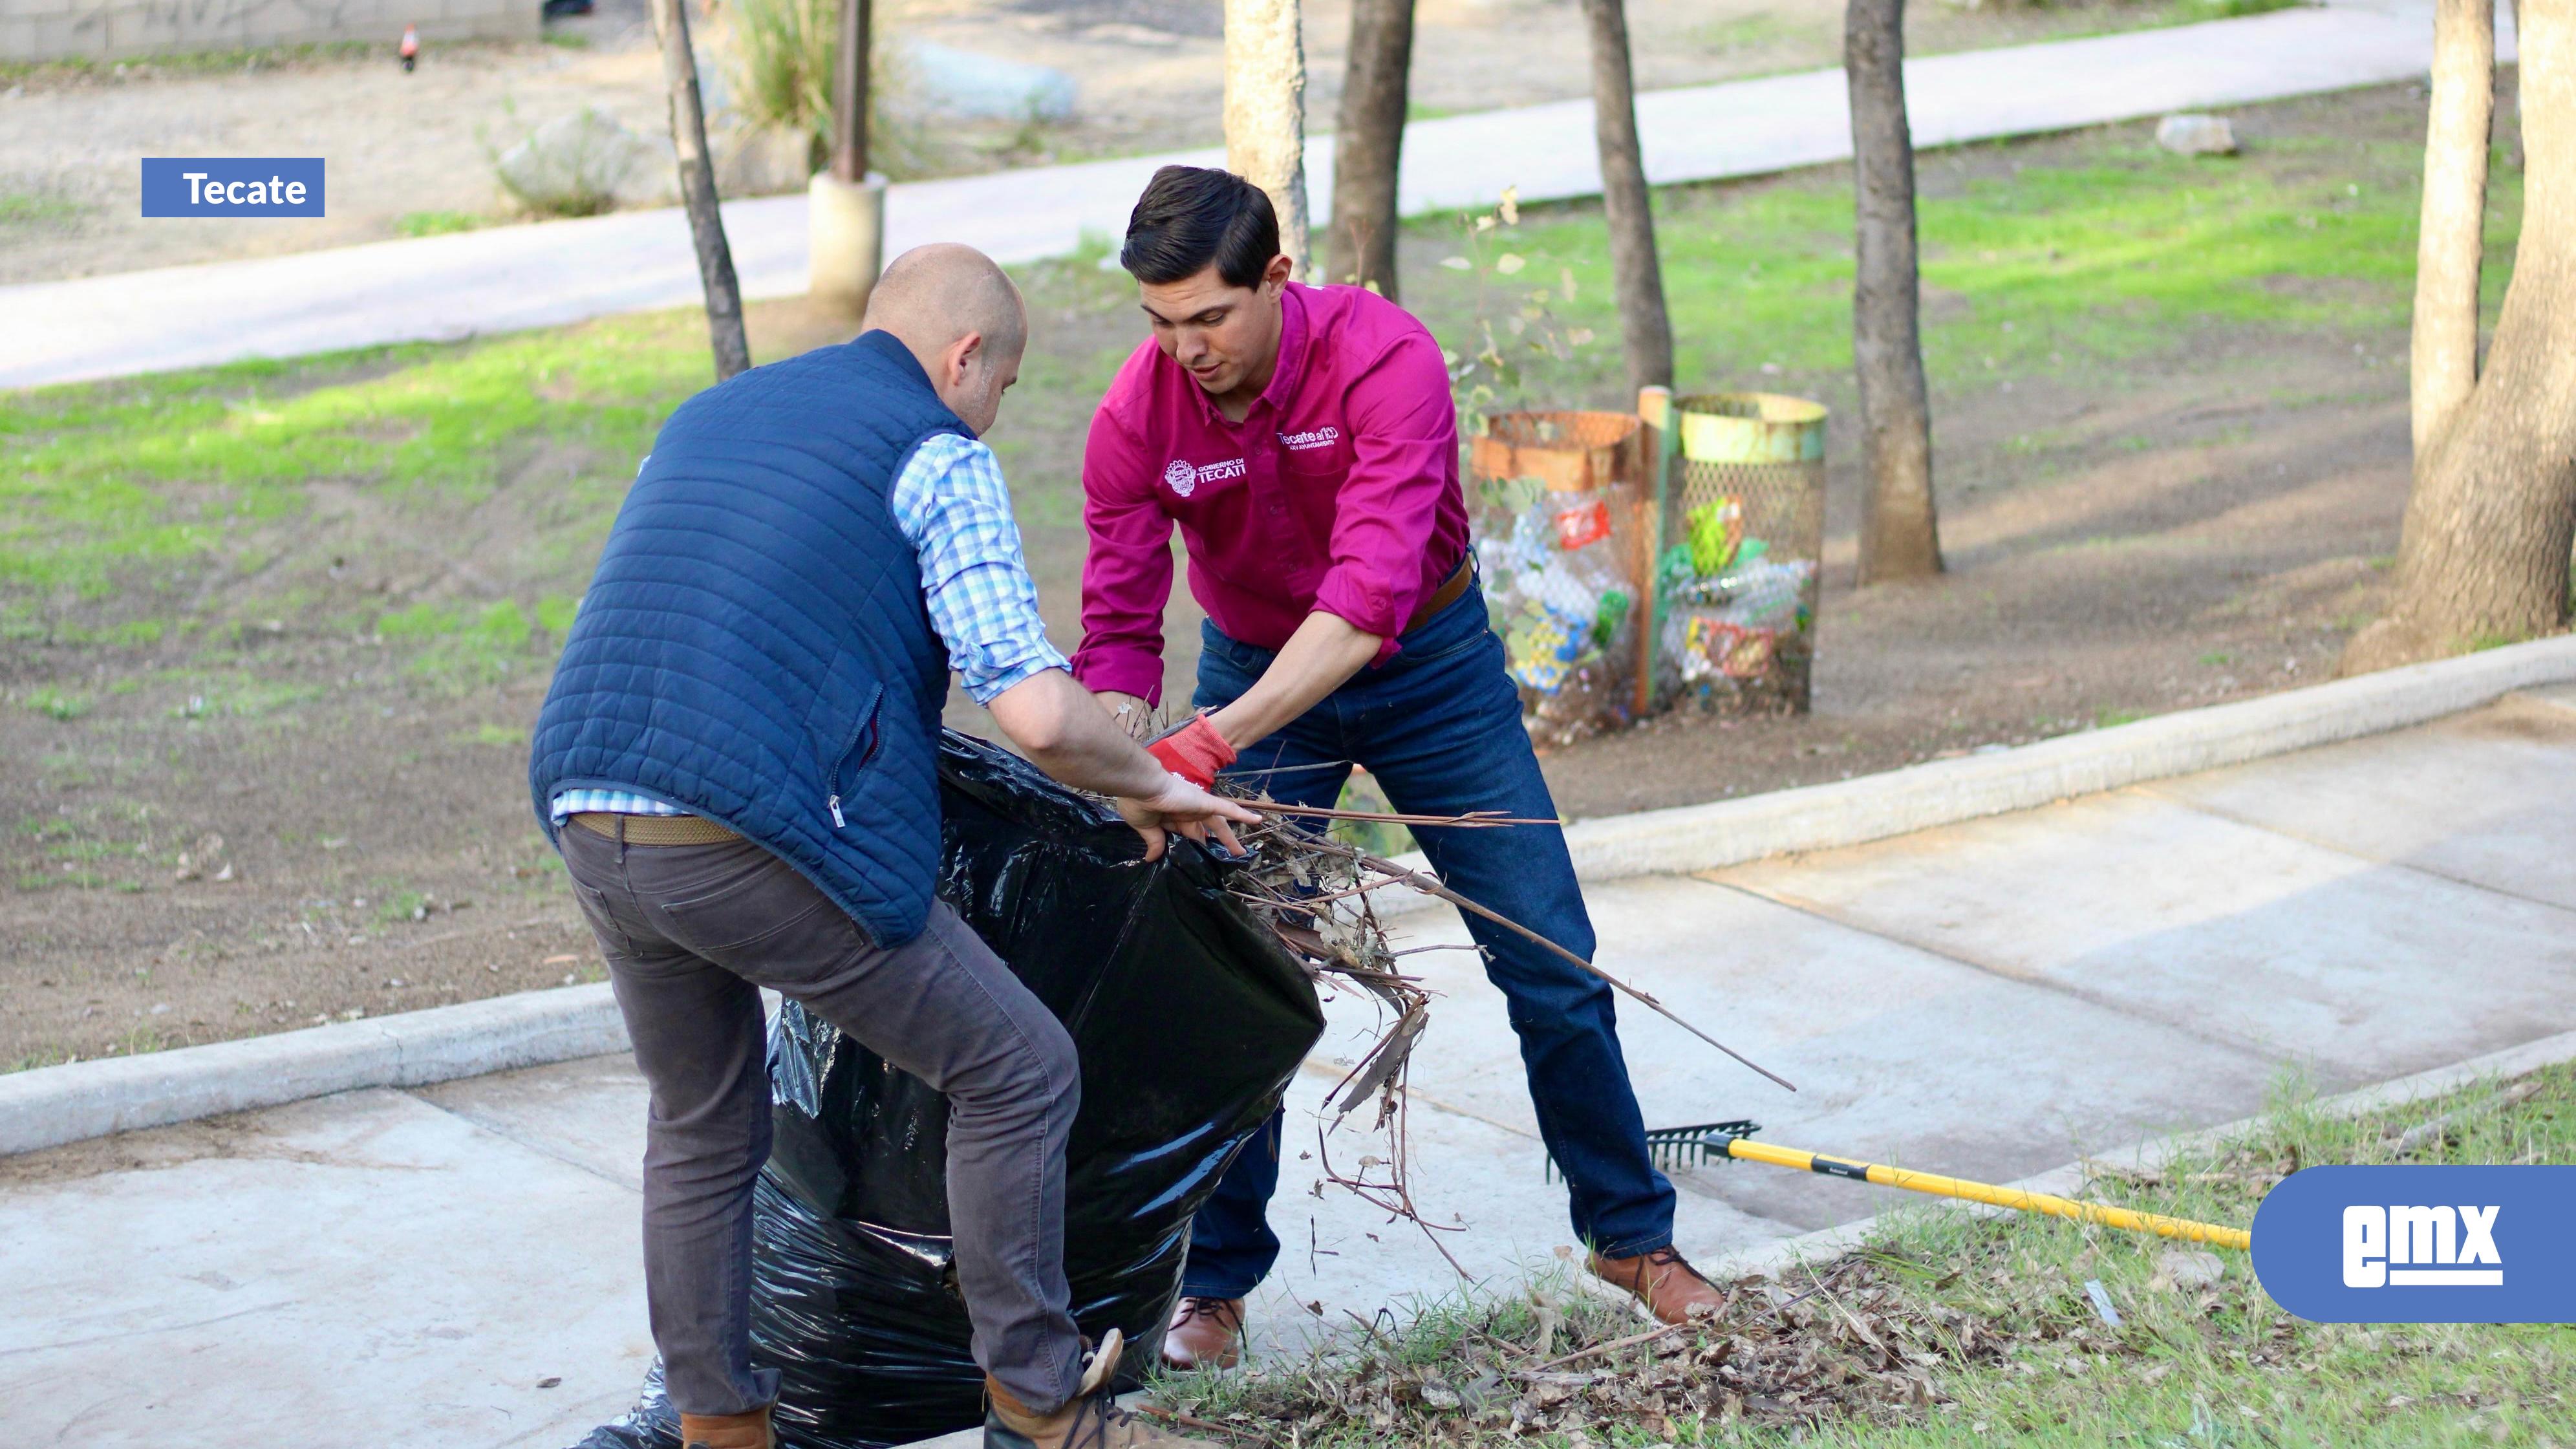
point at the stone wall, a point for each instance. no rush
(32, 30)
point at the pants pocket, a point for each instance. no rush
(752, 909)
(614, 943)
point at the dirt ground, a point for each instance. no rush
(2206, 523)
(1148, 71)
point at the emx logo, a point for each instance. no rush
(2376, 1240)
(2421, 1244)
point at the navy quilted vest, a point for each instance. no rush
(754, 646)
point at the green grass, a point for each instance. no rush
(33, 209)
(2098, 260)
(438, 223)
(232, 693)
(487, 733)
(2226, 1360)
(2189, 11)
(1948, 1329)
(103, 482)
(54, 704)
(1746, 32)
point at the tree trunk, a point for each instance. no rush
(850, 94)
(2452, 240)
(1644, 326)
(1368, 144)
(698, 190)
(2484, 554)
(1265, 112)
(1900, 534)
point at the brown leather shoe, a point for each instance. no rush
(1091, 1419)
(1205, 1333)
(726, 1431)
(1664, 1281)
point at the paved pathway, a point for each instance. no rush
(1990, 999)
(529, 276)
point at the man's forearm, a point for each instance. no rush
(1319, 658)
(1068, 735)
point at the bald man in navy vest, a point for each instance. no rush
(738, 761)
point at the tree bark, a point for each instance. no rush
(2483, 557)
(1265, 112)
(850, 94)
(698, 190)
(1645, 327)
(1368, 144)
(1900, 534)
(2451, 244)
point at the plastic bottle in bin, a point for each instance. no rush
(1765, 594)
(1589, 569)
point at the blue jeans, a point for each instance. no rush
(1439, 725)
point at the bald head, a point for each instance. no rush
(936, 294)
(961, 319)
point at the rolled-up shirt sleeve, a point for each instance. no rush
(1404, 440)
(951, 502)
(1127, 575)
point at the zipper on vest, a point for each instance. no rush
(862, 745)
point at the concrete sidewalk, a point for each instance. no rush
(1992, 998)
(529, 276)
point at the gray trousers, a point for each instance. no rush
(690, 932)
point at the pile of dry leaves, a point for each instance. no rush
(1840, 1344)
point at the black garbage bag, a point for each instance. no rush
(1189, 1018)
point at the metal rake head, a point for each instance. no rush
(1693, 1146)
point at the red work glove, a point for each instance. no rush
(1195, 751)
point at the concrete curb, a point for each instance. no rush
(54, 1105)
(50, 1106)
(1944, 792)
(1826, 1244)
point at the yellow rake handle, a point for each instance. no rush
(2009, 1197)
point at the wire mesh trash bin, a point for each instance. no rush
(1559, 519)
(1743, 533)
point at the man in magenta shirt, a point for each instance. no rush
(1304, 440)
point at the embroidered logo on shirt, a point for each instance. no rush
(1184, 479)
(1323, 437)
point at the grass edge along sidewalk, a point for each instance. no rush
(50, 1106)
(1945, 1324)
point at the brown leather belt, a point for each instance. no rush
(654, 829)
(1447, 594)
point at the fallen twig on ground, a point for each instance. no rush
(1613, 1346)
(1204, 1426)
(2408, 1142)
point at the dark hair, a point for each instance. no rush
(1190, 216)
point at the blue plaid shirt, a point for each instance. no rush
(951, 502)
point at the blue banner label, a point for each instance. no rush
(2421, 1244)
(232, 186)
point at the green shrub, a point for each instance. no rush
(779, 56)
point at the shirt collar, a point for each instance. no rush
(1292, 348)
